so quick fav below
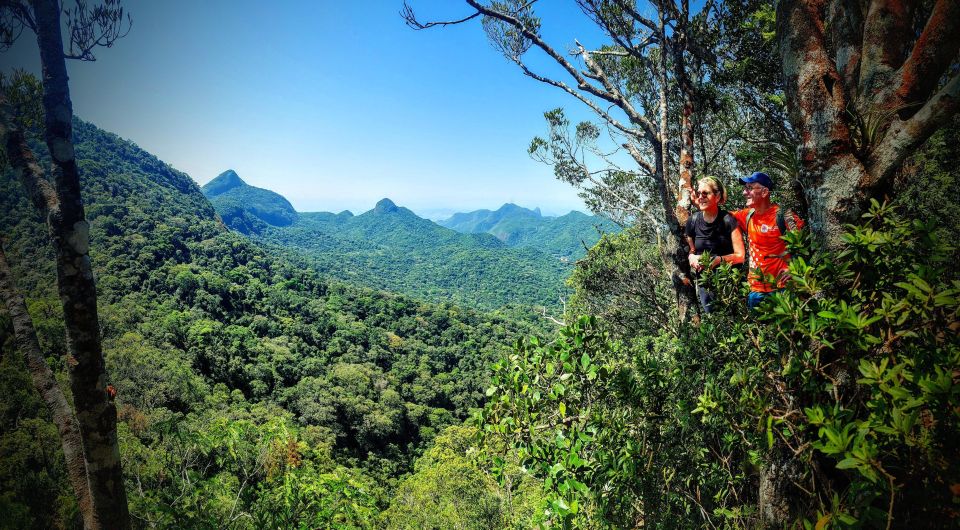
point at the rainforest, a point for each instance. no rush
(351, 331)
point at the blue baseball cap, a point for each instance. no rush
(760, 178)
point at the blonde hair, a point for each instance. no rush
(715, 186)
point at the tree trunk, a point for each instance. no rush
(69, 233)
(674, 249)
(830, 173)
(685, 180)
(46, 385)
(864, 68)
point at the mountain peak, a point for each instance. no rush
(245, 208)
(385, 206)
(223, 183)
(511, 208)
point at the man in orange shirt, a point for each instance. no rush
(764, 223)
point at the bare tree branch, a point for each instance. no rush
(14, 18)
(629, 8)
(618, 97)
(410, 18)
(582, 83)
(101, 25)
(588, 102)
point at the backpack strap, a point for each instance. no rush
(694, 220)
(746, 241)
(785, 221)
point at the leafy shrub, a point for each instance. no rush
(835, 405)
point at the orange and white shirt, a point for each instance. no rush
(767, 251)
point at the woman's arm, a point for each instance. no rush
(693, 258)
(736, 237)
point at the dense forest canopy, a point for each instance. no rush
(263, 367)
(201, 325)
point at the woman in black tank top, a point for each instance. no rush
(712, 230)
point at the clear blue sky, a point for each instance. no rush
(332, 104)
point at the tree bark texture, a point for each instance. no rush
(864, 91)
(69, 232)
(46, 384)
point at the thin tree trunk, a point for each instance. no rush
(46, 385)
(69, 232)
(674, 249)
(685, 180)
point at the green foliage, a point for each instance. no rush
(450, 489)
(622, 195)
(23, 96)
(844, 384)
(511, 42)
(33, 487)
(621, 281)
(619, 433)
(241, 466)
(893, 430)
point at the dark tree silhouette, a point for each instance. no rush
(104, 504)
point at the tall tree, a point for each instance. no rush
(867, 83)
(60, 202)
(631, 84)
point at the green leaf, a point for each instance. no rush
(770, 432)
(848, 463)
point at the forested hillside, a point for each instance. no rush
(220, 350)
(390, 247)
(567, 236)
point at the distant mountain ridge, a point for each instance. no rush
(484, 220)
(567, 236)
(390, 247)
